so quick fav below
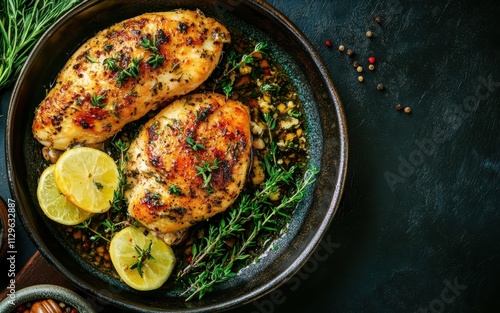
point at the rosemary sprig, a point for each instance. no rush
(21, 25)
(87, 225)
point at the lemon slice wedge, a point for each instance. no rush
(88, 178)
(143, 261)
(54, 204)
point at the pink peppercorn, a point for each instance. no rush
(328, 43)
(372, 60)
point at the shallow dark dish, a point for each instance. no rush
(327, 134)
(43, 292)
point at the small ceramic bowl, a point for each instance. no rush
(44, 292)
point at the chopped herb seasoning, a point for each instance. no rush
(97, 101)
(108, 47)
(194, 145)
(174, 190)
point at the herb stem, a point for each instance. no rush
(21, 25)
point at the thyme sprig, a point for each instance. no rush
(233, 63)
(119, 199)
(155, 59)
(131, 71)
(205, 170)
(144, 255)
(21, 25)
(214, 265)
(109, 228)
(211, 263)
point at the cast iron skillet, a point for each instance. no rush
(327, 134)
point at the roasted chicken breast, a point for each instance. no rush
(189, 162)
(126, 70)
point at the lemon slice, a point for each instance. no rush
(88, 178)
(54, 204)
(142, 273)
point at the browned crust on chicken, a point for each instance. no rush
(116, 77)
(169, 192)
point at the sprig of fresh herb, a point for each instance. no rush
(205, 170)
(155, 59)
(21, 25)
(119, 199)
(144, 255)
(233, 63)
(131, 71)
(87, 225)
(194, 145)
(110, 64)
(96, 100)
(258, 211)
(104, 230)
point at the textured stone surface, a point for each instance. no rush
(418, 228)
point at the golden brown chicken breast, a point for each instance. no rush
(126, 70)
(189, 162)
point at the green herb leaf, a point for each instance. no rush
(194, 145)
(96, 100)
(21, 25)
(144, 255)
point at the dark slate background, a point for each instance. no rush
(418, 229)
